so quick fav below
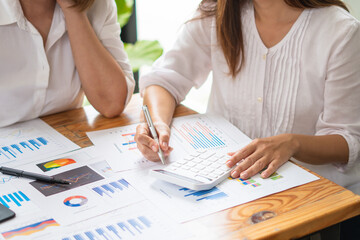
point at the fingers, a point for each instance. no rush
(164, 137)
(240, 155)
(142, 137)
(272, 167)
(252, 163)
(148, 146)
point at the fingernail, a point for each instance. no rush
(234, 174)
(243, 175)
(153, 148)
(228, 163)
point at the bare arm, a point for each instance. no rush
(161, 106)
(101, 76)
(272, 152)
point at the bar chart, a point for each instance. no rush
(31, 140)
(211, 194)
(14, 200)
(129, 141)
(113, 189)
(122, 229)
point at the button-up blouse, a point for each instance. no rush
(308, 83)
(37, 80)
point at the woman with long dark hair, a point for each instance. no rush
(54, 51)
(285, 72)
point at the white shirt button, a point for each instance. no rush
(264, 57)
(259, 99)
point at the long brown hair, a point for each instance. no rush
(228, 24)
(82, 5)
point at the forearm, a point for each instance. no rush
(160, 102)
(101, 76)
(321, 149)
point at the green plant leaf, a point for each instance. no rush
(143, 52)
(124, 11)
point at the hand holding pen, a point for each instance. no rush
(146, 135)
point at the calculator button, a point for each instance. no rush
(203, 178)
(207, 155)
(224, 167)
(200, 167)
(197, 160)
(190, 164)
(201, 150)
(212, 159)
(218, 155)
(194, 170)
(188, 158)
(195, 154)
(181, 161)
(185, 167)
(219, 172)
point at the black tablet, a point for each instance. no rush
(5, 213)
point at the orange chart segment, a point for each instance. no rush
(30, 229)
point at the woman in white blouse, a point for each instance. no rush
(52, 51)
(285, 72)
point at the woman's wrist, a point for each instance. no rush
(294, 142)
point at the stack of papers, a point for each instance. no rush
(111, 195)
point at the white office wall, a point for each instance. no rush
(354, 6)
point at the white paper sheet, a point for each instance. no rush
(183, 204)
(187, 134)
(89, 195)
(25, 142)
(119, 148)
(138, 221)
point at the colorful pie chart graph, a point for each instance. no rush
(75, 201)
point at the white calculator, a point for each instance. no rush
(200, 170)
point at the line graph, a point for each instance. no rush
(78, 177)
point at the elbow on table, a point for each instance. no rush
(112, 110)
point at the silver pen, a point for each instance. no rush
(153, 131)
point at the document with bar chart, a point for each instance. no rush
(185, 204)
(28, 141)
(188, 133)
(119, 147)
(89, 195)
(202, 131)
(182, 203)
(138, 221)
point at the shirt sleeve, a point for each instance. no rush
(341, 114)
(109, 36)
(187, 64)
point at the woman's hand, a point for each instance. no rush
(148, 146)
(269, 153)
(65, 4)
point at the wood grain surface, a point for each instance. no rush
(289, 214)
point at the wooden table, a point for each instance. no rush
(297, 212)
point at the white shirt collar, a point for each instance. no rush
(10, 11)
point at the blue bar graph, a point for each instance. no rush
(118, 230)
(17, 198)
(112, 188)
(15, 150)
(211, 194)
(199, 136)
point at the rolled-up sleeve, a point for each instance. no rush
(110, 38)
(187, 64)
(341, 113)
